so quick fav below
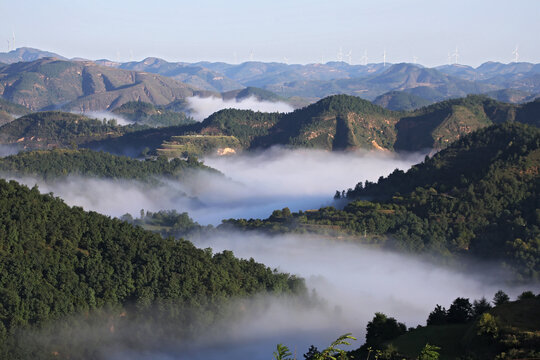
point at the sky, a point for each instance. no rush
(292, 31)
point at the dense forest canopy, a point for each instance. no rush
(51, 164)
(57, 260)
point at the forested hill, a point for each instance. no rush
(57, 260)
(477, 198)
(148, 114)
(343, 122)
(50, 129)
(50, 164)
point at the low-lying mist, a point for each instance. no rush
(349, 283)
(353, 281)
(202, 107)
(253, 185)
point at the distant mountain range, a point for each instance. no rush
(294, 83)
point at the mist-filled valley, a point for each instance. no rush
(182, 205)
(347, 282)
(250, 186)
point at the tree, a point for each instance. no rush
(429, 352)
(438, 316)
(487, 325)
(383, 328)
(526, 295)
(460, 311)
(480, 306)
(500, 298)
(312, 353)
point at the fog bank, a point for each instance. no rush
(253, 186)
(202, 107)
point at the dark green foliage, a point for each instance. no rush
(56, 260)
(167, 223)
(311, 353)
(480, 306)
(382, 329)
(58, 129)
(429, 352)
(148, 114)
(50, 164)
(439, 316)
(507, 331)
(460, 311)
(500, 298)
(526, 295)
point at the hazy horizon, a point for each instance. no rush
(296, 33)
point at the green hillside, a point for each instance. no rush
(511, 331)
(199, 145)
(57, 260)
(401, 101)
(476, 199)
(9, 111)
(50, 129)
(148, 114)
(343, 122)
(52, 164)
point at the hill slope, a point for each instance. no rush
(56, 260)
(477, 198)
(52, 164)
(50, 129)
(84, 86)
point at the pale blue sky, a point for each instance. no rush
(301, 31)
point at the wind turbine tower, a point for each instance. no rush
(456, 56)
(414, 59)
(251, 55)
(364, 58)
(516, 54)
(340, 55)
(13, 40)
(384, 58)
(7, 45)
(349, 57)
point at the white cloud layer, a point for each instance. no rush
(202, 107)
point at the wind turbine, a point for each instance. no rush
(285, 60)
(449, 58)
(384, 58)
(516, 54)
(340, 55)
(251, 55)
(414, 59)
(13, 41)
(364, 58)
(7, 45)
(456, 56)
